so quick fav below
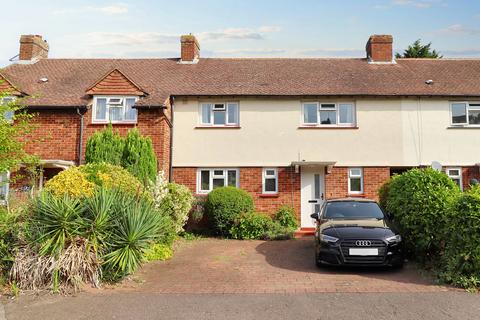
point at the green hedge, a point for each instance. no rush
(461, 261)
(225, 205)
(420, 201)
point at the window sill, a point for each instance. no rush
(325, 127)
(217, 127)
(463, 127)
(357, 195)
(113, 123)
(269, 195)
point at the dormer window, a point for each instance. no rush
(114, 109)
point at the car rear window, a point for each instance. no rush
(352, 210)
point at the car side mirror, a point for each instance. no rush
(315, 216)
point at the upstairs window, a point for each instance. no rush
(114, 110)
(355, 181)
(456, 175)
(8, 114)
(219, 114)
(328, 114)
(209, 179)
(465, 114)
(270, 181)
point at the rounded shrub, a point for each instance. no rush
(71, 182)
(419, 201)
(286, 217)
(461, 260)
(226, 204)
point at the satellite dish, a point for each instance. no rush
(437, 166)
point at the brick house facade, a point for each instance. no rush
(256, 112)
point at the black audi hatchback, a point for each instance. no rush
(356, 232)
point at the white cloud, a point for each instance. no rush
(458, 29)
(114, 9)
(421, 4)
(238, 33)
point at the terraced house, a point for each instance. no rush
(289, 131)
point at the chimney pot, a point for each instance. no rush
(33, 47)
(379, 48)
(190, 49)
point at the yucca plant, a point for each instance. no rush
(55, 222)
(97, 217)
(136, 227)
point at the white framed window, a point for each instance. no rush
(8, 114)
(465, 113)
(355, 180)
(219, 114)
(456, 175)
(4, 187)
(328, 114)
(209, 179)
(270, 181)
(114, 109)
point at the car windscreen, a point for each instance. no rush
(352, 210)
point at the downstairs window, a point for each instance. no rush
(209, 179)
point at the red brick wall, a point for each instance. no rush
(336, 182)
(251, 181)
(55, 136)
(469, 173)
(57, 133)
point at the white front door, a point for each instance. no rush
(312, 194)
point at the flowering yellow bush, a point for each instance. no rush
(111, 176)
(72, 182)
(81, 181)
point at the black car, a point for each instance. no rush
(356, 232)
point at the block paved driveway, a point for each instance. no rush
(230, 266)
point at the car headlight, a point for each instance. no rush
(325, 238)
(396, 238)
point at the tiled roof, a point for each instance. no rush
(70, 79)
(7, 87)
(115, 82)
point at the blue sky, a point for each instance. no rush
(226, 28)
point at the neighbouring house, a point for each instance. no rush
(289, 131)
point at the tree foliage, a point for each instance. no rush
(105, 146)
(419, 50)
(12, 142)
(134, 153)
(138, 156)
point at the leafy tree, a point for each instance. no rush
(15, 125)
(419, 50)
(139, 157)
(105, 146)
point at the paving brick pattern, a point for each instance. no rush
(229, 266)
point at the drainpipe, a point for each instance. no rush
(80, 142)
(170, 147)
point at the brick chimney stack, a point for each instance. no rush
(190, 49)
(33, 47)
(379, 49)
